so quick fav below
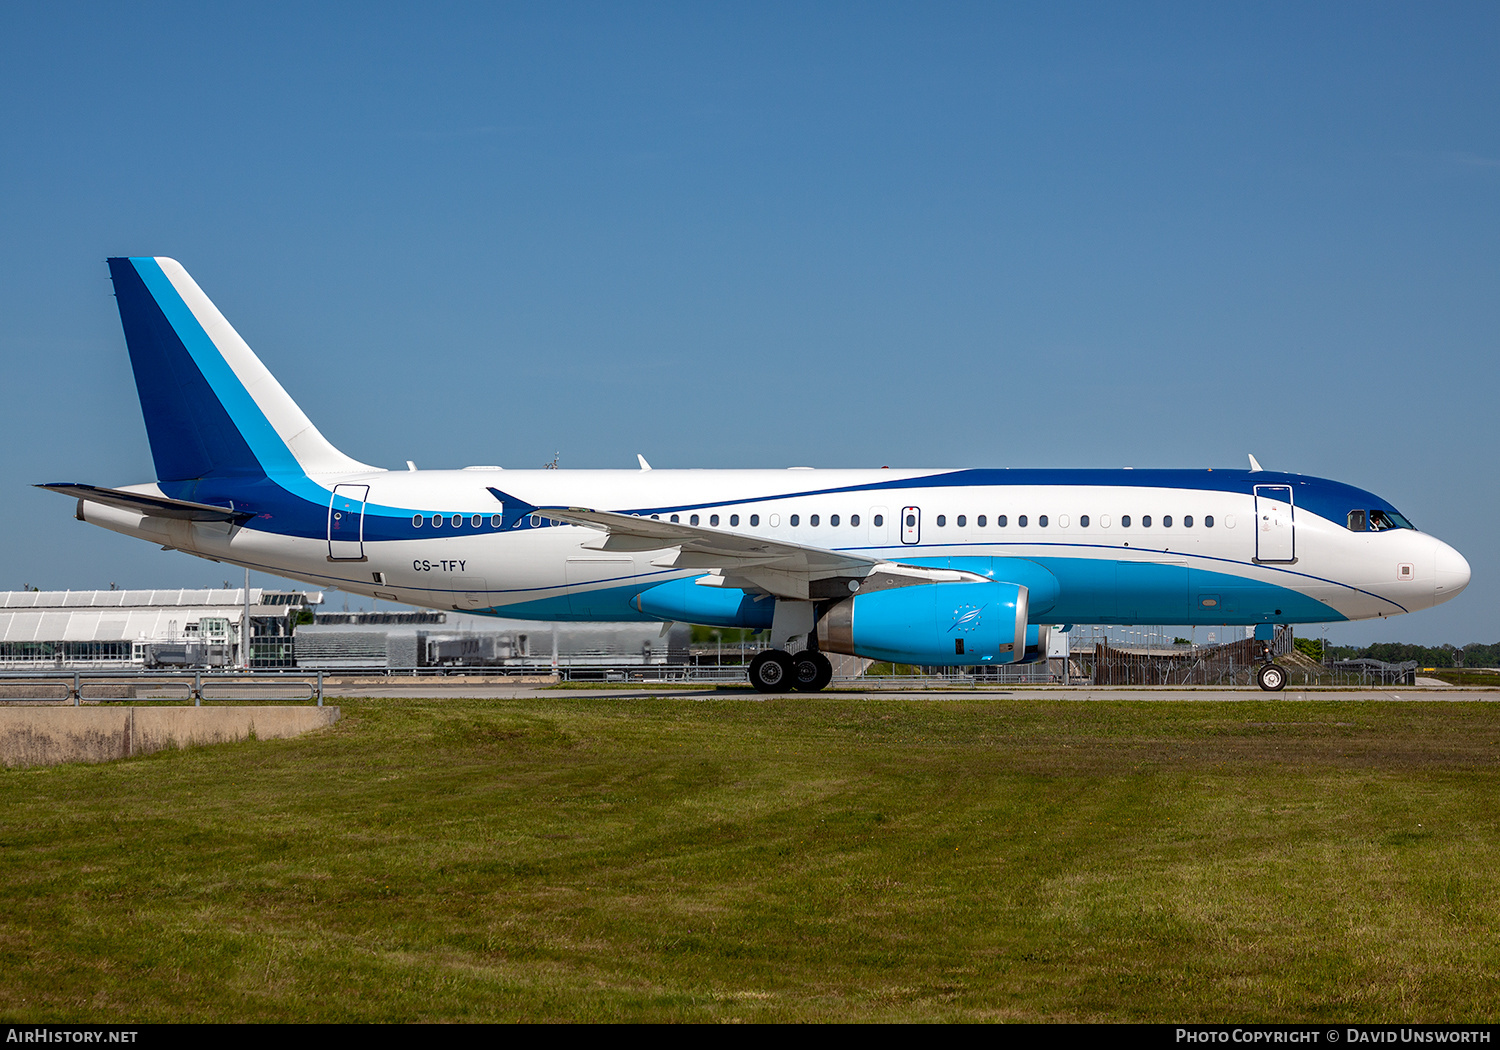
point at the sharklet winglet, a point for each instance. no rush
(510, 504)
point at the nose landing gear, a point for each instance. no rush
(1271, 678)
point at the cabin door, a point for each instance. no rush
(1275, 538)
(346, 522)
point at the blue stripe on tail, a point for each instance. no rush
(192, 434)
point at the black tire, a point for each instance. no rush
(1271, 678)
(771, 672)
(811, 671)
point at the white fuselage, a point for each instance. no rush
(1072, 529)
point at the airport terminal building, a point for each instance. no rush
(122, 629)
(144, 629)
(422, 638)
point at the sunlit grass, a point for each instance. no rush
(815, 858)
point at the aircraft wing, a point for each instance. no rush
(753, 563)
(699, 547)
(732, 559)
(148, 503)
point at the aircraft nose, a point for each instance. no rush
(1452, 573)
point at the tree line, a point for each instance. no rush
(1475, 654)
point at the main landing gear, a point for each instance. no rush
(777, 672)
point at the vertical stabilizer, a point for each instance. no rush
(211, 408)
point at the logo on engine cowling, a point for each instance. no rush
(966, 618)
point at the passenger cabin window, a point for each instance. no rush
(416, 521)
(1356, 521)
(494, 521)
(1021, 521)
(879, 520)
(713, 519)
(1083, 521)
(1208, 521)
(458, 521)
(1145, 521)
(980, 521)
(734, 519)
(693, 520)
(942, 520)
(676, 518)
(477, 520)
(833, 519)
(437, 521)
(1042, 521)
(1001, 521)
(1187, 521)
(1166, 521)
(1124, 521)
(795, 519)
(754, 519)
(962, 521)
(813, 520)
(854, 520)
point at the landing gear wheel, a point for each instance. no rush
(771, 672)
(811, 671)
(1271, 678)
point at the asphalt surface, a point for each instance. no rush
(53, 690)
(437, 689)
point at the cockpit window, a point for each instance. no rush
(1380, 520)
(1356, 521)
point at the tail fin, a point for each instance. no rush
(212, 409)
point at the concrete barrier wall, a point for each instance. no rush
(44, 736)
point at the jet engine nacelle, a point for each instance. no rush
(937, 624)
(1036, 644)
(687, 602)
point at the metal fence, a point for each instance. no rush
(1232, 665)
(194, 685)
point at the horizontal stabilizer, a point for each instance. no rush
(146, 503)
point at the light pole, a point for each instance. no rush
(245, 625)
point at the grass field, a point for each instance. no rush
(807, 859)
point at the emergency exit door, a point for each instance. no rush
(911, 524)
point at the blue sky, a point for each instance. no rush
(762, 235)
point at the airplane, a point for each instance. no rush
(959, 567)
